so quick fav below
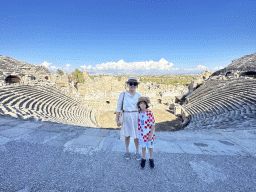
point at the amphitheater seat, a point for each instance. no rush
(44, 103)
(222, 101)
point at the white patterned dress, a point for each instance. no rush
(146, 120)
(130, 124)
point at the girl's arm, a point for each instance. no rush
(153, 129)
(151, 133)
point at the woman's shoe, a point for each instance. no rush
(127, 155)
(151, 163)
(138, 157)
(143, 162)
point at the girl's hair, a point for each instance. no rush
(138, 104)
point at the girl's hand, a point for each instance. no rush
(150, 137)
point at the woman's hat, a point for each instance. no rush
(132, 79)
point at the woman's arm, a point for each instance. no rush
(119, 103)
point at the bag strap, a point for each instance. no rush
(123, 102)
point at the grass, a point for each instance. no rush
(168, 80)
(158, 79)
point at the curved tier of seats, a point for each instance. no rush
(222, 103)
(44, 103)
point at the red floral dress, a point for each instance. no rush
(146, 120)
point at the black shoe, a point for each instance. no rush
(143, 162)
(151, 163)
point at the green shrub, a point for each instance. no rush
(60, 72)
(79, 76)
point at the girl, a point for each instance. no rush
(146, 130)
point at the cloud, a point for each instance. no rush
(136, 67)
(201, 68)
(142, 68)
(46, 64)
(68, 69)
(49, 66)
(53, 68)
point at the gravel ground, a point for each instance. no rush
(36, 167)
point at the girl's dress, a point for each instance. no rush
(130, 124)
(146, 120)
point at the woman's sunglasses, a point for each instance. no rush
(133, 83)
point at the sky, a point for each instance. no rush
(137, 37)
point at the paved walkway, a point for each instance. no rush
(44, 156)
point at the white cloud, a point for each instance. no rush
(68, 68)
(53, 68)
(161, 65)
(49, 66)
(201, 68)
(46, 64)
(144, 67)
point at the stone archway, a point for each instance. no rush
(249, 73)
(46, 77)
(12, 79)
(228, 74)
(108, 102)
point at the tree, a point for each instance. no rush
(78, 75)
(60, 72)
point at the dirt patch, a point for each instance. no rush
(165, 119)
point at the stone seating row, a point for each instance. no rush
(232, 102)
(222, 122)
(52, 105)
(215, 111)
(226, 107)
(207, 88)
(43, 116)
(225, 93)
(231, 115)
(212, 96)
(245, 87)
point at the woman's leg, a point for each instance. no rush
(144, 152)
(136, 142)
(150, 153)
(127, 142)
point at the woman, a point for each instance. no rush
(130, 123)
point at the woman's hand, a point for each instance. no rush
(118, 123)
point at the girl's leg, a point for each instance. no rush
(136, 142)
(150, 153)
(127, 142)
(144, 152)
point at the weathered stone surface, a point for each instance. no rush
(245, 63)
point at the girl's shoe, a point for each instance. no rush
(143, 162)
(151, 163)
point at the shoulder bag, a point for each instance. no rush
(121, 115)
